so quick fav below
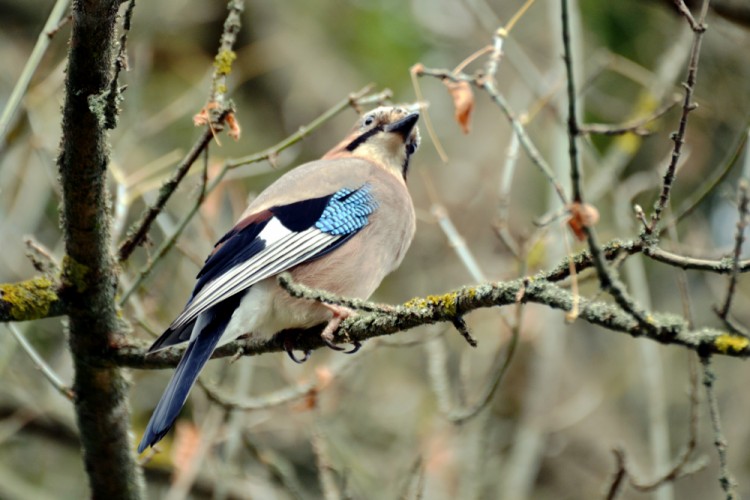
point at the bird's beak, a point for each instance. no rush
(404, 126)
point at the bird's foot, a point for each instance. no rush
(340, 313)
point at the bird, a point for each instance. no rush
(340, 224)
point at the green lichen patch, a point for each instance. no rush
(446, 304)
(98, 106)
(29, 299)
(223, 62)
(74, 274)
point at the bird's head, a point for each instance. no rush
(387, 135)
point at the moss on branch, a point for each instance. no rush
(376, 320)
(35, 298)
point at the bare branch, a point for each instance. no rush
(725, 477)
(687, 107)
(42, 365)
(694, 25)
(739, 239)
(42, 43)
(637, 127)
(138, 235)
(607, 280)
(527, 144)
(664, 328)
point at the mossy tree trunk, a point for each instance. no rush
(88, 270)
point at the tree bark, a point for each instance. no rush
(89, 279)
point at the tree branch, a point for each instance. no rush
(35, 298)
(379, 321)
(101, 402)
(678, 138)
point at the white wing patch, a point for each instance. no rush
(284, 249)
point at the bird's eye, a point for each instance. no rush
(368, 121)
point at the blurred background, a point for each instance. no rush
(379, 424)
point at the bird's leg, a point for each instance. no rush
(340, 313)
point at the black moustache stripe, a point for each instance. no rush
(363, 138)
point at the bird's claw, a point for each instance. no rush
(328, 340)
(289, 348)
(356, 346)
(290, 353)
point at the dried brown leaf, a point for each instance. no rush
(582, 215)
(463, 102)
(234, 126)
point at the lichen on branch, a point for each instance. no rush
(35, 298)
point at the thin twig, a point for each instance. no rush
(683, 9)
(725, 477)
(502, 224)
(457, 242)
(169, 242)
(225, 55)
(618, 479)
(286, 395)
(527, 144)
(414, 72)
(114, 94)
(282, 473)
(357, 98)
(42, 365)
(326, 472)
(414, 481)
(463, 252)
(623, 473)
(678, 138)
(739, 239)
(41, 257)
(42, 43)
(472, 57)
(220, 110)
(683, 466)
(516, 17)
(705, 189)
(573, 131)
(637, 127)
(138, 235)
(615, 249)
(607, 281)
(65, 20)
(496, 54)
(463, 329)
(461, 415)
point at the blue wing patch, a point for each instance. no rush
(347, 211)
(243, 256)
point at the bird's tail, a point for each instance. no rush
(209, 328)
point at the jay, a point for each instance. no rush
(340, 224)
